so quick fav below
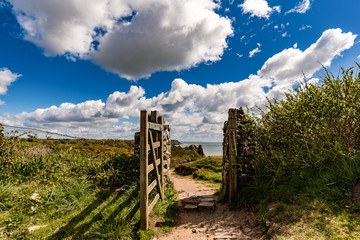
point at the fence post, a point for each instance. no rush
(161, 155)
(144, 159)
(232, 156)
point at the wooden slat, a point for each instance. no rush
(156, 126)
(151, 186)
(156, 145)
(232, 156)
(144, 181)
(151, 206)
(156, 169)
(151, 166)
(161, 153)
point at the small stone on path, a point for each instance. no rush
(190, 207)
(207, 205)
(226, 235)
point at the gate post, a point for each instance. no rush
(232, 156)
(144, 161)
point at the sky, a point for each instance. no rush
(87, 67)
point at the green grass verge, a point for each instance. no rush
(207, 169)
(82, 194)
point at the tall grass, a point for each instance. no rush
(308, 151)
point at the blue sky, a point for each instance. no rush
(87, 67)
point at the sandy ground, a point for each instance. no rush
(209, 224)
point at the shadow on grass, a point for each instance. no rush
(78, 232)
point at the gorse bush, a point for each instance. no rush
(312, 127)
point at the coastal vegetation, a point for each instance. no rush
(308, 161)
(184, 154)
(206, 169)
(305, 183)
(72, 189)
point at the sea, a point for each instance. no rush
(210, 148)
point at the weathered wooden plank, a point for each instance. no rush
(156, 168)
(144, 181)
(151, 206)
(161, 153)
(151, 165)
(151, 186)
(156, 144)
(150, 168)
(155, 134)
(232, 156)
(156, 126)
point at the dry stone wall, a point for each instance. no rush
(238, 152)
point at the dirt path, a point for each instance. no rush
(220, 223)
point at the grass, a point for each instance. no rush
(87, 190)
(308, 203)
(206, 169)
(310, 220)
(179, 153)
(307, 160)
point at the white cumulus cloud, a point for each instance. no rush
(289, 65)
(195, 112)
(6, 78)
(259, 8)
(132, 38)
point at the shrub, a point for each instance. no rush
(314, 126)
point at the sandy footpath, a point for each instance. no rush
(220, 223)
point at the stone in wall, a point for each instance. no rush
(225, 171)
(245, 150)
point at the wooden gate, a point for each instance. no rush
(152, 162)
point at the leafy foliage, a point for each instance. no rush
(308, 160)
(312, 127)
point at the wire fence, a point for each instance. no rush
(42, 131)
(47, 133)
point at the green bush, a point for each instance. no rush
(314, 127)
(307, 161)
